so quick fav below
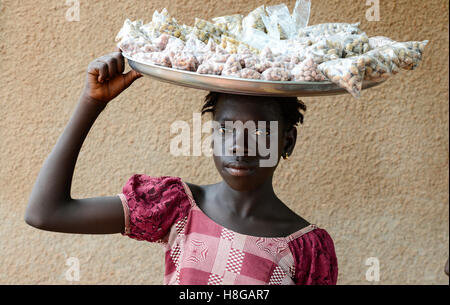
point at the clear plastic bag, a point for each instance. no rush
(173, 29)
(184, 61)
(281, 24)
(161, 42)
(231, 24)
(281, 18)
(132, 30)
(323, 50)
(307, 71)
(197, 47)
(214, 60)
(206, 30)
(254, 19)
(319, 31)
(232, 66)
(207, 26)
(266, 55)
(156, 58)
(348, 73)
(301, 14)
(211, 67)
(148, 48)
(230, 44)
(353, 44)
(131, 46)
(387, 60)
(408, 54)
(379, 41)
(174, 45)
(277, 74)
(255, 38)
(249, 61)
(377, 67)
(250, 74)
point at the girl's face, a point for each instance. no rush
(241, 164)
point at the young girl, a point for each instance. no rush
(236, 231)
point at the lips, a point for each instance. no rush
(239, 169)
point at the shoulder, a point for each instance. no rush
(150, 184)
(314, 237)
(153, 205)
(315, 257)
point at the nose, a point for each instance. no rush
(240, 144)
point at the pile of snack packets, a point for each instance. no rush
(270, 44)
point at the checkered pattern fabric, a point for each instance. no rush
(199, 251)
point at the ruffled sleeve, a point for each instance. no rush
(315, 259)
(152, 205)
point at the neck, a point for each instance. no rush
(245, 204)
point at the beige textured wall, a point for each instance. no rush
(373, 171)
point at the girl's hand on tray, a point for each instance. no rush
(105, 78)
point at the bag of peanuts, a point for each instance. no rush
(387, 60)
(254, 19)
(408, 54)
(324, 50)
(354, 44)
(307, 71)
(231, 24)
(378, 67)
(379, 41)
(319, 31)
(348, 73)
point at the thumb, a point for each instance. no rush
(130, 77)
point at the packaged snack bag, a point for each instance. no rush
(232, 66)
(318, 31)
(184, 61)
(250, 74)
(379, 41)
(254, 19)
(307, 71)
(277, 74)
(161, 42)
(211, 67)
(231, 24)
(156, 58)
(174, 45)
(347, 73)
(131, 46)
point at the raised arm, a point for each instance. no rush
(50, 205)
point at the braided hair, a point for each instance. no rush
(290, 108)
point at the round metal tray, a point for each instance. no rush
(238, 85)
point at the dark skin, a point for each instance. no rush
(247, 205)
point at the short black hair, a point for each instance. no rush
(290, 108)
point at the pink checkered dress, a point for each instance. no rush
(198, 251)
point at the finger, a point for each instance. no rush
(111, 63)
(99, 69)
(120, 62)
(130, 77)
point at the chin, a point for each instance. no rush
(240, 183)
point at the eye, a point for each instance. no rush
(262, 132)
(223, 129)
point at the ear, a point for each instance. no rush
(290, 138)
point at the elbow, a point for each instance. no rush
(34, 221)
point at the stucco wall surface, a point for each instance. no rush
(373, 172)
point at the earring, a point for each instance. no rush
(286, 156)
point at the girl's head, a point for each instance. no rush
(240, 166)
